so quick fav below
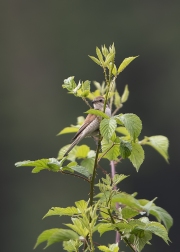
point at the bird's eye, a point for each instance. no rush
(101, 100)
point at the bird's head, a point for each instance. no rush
(98, 103)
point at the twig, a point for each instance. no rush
(106, 152)
(75, 175)
(113, 172)
(130, 245)
(116, 110)
(87, 103)
(103, 171)
(94, 172)
(112, 83)
(125, 239)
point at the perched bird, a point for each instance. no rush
(90, 126)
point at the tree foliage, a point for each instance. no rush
(110, 210)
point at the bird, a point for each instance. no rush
(90, 126)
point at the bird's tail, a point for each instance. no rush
(75, 142)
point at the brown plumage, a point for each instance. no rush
(91, 124)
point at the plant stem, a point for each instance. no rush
(106, 152)
(125, 239)
(113, 172)
(75, 175)
(108, 86)
(84, 99)
(99, 142)
(116, 110)
(94, 172)
(92, 186)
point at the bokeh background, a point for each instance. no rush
(44, 42)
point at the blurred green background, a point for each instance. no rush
(44, 42)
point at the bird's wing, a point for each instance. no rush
(90, 118)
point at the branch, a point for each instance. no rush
(113, 172)
(103, 171)
(130, 245)
(75, 175)
(99, 143)
(125, 239)
(106, 152)
(107, 91)
(94, 172)
(87, 103)
(116, 110)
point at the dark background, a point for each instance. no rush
(44, 42)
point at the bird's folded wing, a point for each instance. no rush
(89, 119)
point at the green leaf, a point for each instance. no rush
(95, 60)
(114, 71)
(141, 239)
(72, 154)
(44, 236)
(104, 50)
(105, 227)
(123, 227)
(117, 99)
(91, 154)
(68, 130)
(122, 130)
(154, 227)
(62, 235)
(69, 84)
(125, 94)
(158, 229)
(118, 178)
(109, 58)
(103, 248)
(125, 149)
(136, 225)
(137, 155)
(114, 247)
(78, 227)
(88, 163)
(94, 94)
(69, 211)
(82, 151)
(81, 205)
(97, 85)
(80, 120)
(84, 89)
(162, 215)
(55, 165)
(128, 213)
(125, 63)
(107, 180)
(71, 245)
(97, 112)
(42, 164)
(107, 127)
(159, 143)
(148, 205)
(82, 170)
(132, 123)
(111, 248)
(128, 200)
(38, 169)
(110, 148)
(112, 49)
(99, 54)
